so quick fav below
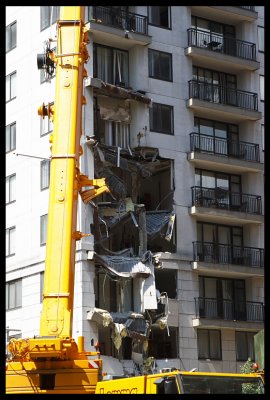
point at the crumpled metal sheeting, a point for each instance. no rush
(123, 267)
(155, 221)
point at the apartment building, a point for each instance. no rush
(174, 120)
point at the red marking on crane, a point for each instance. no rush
(92, 364)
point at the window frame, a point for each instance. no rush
(8, 231)
(10, 88)
(18, 295)
(158, 25)
(9, 34)
(8, 179)
(260, 38)
(158, 119)
(151, 61)
(209, 355)
(41, 285)
(44, 180)
(249, 342)
(10, 136)
(262, 136)
(43, 229)
(112, 76)
(52, 19)
(261, 84)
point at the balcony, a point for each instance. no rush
(218, 101)
(224, 154)
(217, 51)
(220, 205)
(216, 253)
(229, 309)
(227, 14)
(118, 27)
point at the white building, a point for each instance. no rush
(180, 90)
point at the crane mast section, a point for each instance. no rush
(56, 317)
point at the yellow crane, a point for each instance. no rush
(53, 362)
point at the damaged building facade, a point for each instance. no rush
(172, 274)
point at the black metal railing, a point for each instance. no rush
(228, 254)
(121, 19)
(221, 44)
(226, 199)
(228, 309)
(249, 8)
(223, 95)
(226, 147)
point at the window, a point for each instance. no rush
(166, 281)
(244, 345)
(161, 118)
(11, 36)
(10, 137)
(261, 38)
(41, 286)
(161, 345)
(11, 86)
(160, 16)
(113, 295)
(10, 188)
(10, 241)
(262, 130)
(46, 126)
(224, 298)
(160, 65)
(43, 229)
(48, 16)
(209, 344)
(217, 137)
(44, 174)
(111, 65)
(13, 294)
(262, 87)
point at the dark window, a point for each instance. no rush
(161, 118)
(222, 298)
(11, 86)
(160, 65)
(13, 294)
(209, 344)
(44, 174)
(48, 16)
(111, 65)
(10, 137)
(11, 36)
(244, 345)
(10, 188)
(261, 38)
(162, 345)
(166, 281)
(160, 16)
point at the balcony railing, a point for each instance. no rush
(226, 199)
(222, 44)
(225, 147)
(121, 19)
(227, 254)
(249, 8)
(229, 310)
(223, 95)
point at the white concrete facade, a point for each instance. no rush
(31, 203)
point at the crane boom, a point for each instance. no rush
(53, 362)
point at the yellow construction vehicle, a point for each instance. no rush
(53, 362)
(183, 382)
